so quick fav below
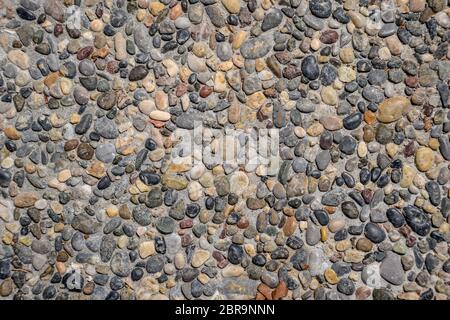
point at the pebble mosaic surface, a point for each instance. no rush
(94, 206)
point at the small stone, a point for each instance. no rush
(146, 249)
(392, 109)
(19, 58)
(199, 258)
(255, 48)
(138, 73)
(374, 233)
(424, 158)
(329, 96)
(320, 8)
(120, 264)
(233, 6)
(391, 269)
(272, 19)
(25, 199)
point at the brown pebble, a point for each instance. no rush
(280, 291)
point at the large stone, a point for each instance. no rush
(25, 199)
(255, 48)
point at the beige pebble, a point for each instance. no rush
(424, 158)
(159, 115)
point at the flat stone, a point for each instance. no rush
(392, 109)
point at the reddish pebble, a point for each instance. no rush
(84, 52)
(205, 91)
(185, 224)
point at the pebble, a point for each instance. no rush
(111, 150)
(391, 269)
(392, 109)
(424, 158)
(255, 48)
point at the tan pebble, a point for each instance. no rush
(232, 271)
(122, 242)
(384, 53)
(146, 249)
(315, 129)
(329, 96)
(343, 245)
(179, 260)
(19, 58)
(433, 143)
(362, 149)
(200, 49)
(176, 11)
(156, 8)
(331, 276)
(250, 249)
(290, 226)
(25, 199)
(200, 257)
(161, 100)
(171, 67)
(346, 74)
(315, 44)
(195, 190)
(75, 118)
(239, 38)
(147, 106)
(260, 65)
(323, 234)
(300, 132)
(96, 169)
(220, 84)
(203, 278)
(408, 174)
(358, 19)
(417, 5)
(60, 266)
(120, 46)
(364, 244)
(354, 256)
(331, 123)
(97, 25)
(256, 100)
(408, 296)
